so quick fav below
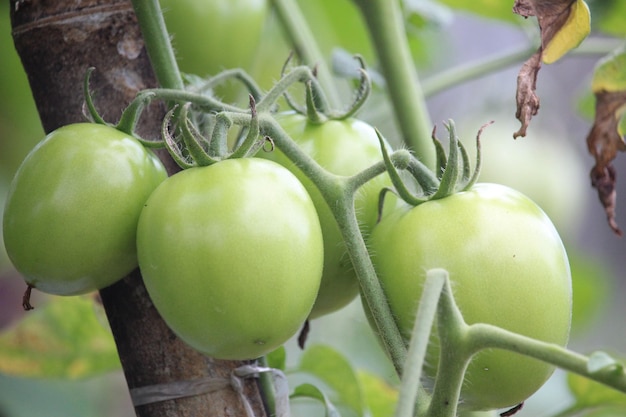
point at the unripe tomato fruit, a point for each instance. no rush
(343, 148)
(70, 219)
(231, 256)
(507, 267)
(210, 36)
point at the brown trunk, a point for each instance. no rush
(57, 41)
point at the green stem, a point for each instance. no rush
(386, 27)
(472, 70)
(339, 192)
(306, 46)
(488, 65)
(411, 387)
(266, 384)
(455, 354)
(485, 336)
(158, 43)
(371, 289)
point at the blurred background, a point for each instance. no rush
(550, 165)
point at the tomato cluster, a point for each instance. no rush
(231, 253)
(238, 254)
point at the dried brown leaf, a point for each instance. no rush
(526, 98)
(551, 16)
(603, 143)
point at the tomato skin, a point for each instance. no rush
(231, 255)
(210, 36)
(343, 148)
(71, 214)
(507, 267)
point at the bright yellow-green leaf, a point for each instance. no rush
(610, 72)
(380, 397)
(337, 372)
(573, 32)
(63, 338)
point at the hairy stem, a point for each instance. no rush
(411, 390)
(386, 26)
(485, 336)
(454, 356)
(158, 43)
(339, 193)
(306, 46)
(488, 65)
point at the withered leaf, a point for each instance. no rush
(526, 98)
(603, 143)
(552, 15)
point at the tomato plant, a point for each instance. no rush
(230, 290)
(231, 255)
(343, 147)
(507, 266)
(71, 214)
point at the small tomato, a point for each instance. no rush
(70, 219)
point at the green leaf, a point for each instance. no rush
(311, 391)
(62, 339)
(380, 397)
(609, 74)
(334, 370)
(277, 359)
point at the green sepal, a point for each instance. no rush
(173, 148)
(93, 112)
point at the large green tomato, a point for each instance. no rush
(210, 36)
(232, 256)
(343, 148)
(507, 266)
(528, 165)
(71, 214)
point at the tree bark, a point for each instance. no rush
(57, 41)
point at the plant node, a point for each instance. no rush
(452, 174)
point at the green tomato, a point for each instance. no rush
(528, 165)
(231, 255)
(508, 268)
(343, 148)
(71, 214)
(210, 36)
